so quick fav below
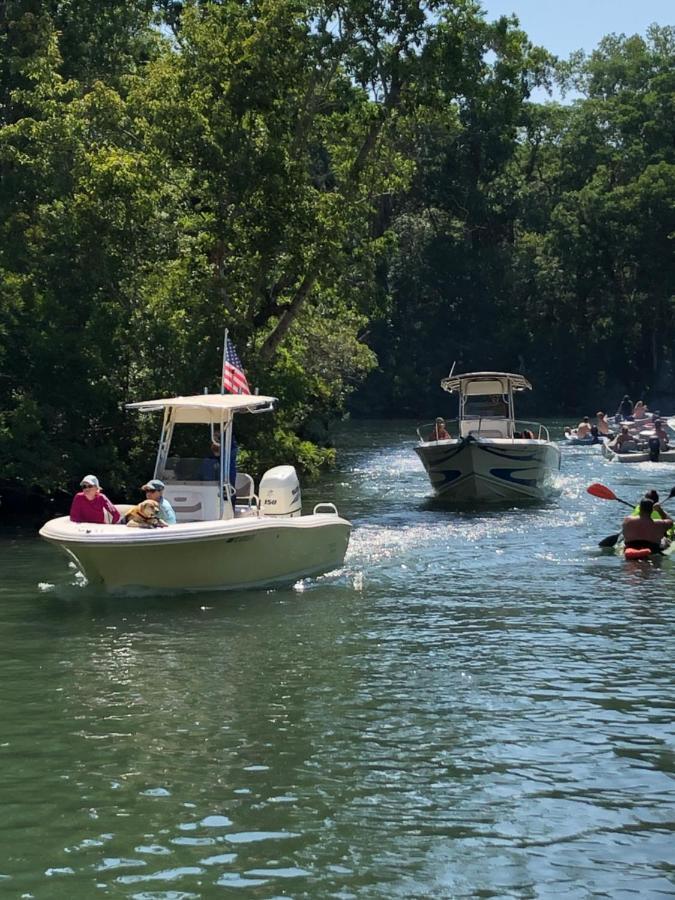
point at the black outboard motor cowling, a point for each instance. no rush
(654, 449)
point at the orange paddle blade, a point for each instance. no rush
(600, 490)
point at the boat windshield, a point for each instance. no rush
(486, 406)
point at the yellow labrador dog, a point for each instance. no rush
(145, 515)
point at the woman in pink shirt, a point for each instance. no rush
(92, 505)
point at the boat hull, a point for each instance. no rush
(491, 470)
(252, 552)
(637, 456)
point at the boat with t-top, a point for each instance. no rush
(226, 536)
(489, 456)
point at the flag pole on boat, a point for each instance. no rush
(225, 442)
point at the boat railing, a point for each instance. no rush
(485, 427)
(325, 508)
(426, 433)
(536, 428)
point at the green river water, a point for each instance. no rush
(480, 704)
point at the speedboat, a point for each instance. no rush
(494, 457)
(226, 536)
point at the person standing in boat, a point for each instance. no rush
(625, 409)
(658, 511)
(92, 506)
(154, 490)
(641, 532)
(210, 468)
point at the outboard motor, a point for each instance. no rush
(654, 449)
(279, 492)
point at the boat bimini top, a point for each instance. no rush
(485, 383)
(215, 410)
(206, 409)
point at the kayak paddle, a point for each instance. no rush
(604, 493)
(600, 490)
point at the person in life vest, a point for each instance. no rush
(657, 510)
(641, 532)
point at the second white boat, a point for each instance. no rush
(493, 457)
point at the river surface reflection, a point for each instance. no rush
(479, 704)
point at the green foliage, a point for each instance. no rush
(359, 191)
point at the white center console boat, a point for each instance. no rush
(489, 455)
(226, 536)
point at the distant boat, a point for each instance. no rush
(489, 456)
(257, 540)
(639, 452)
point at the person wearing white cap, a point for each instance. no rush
(154, 490)
(92, 506)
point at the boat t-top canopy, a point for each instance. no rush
(206, 408)
(485, 383)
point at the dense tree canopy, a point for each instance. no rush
(362, 191)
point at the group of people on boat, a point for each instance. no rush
(632, 428)
(629, 412)
(648, 526)
(91, 506)
(630, 438)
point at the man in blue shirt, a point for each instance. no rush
(154, 490)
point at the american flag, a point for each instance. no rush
(234, 379)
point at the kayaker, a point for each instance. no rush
(641, 532)
(658, 511)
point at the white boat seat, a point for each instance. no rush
(244, 487)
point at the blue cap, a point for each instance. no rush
(90, 480)
(153, 485)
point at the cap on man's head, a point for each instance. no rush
(440, 420)
(153, 485)
(89, 481)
